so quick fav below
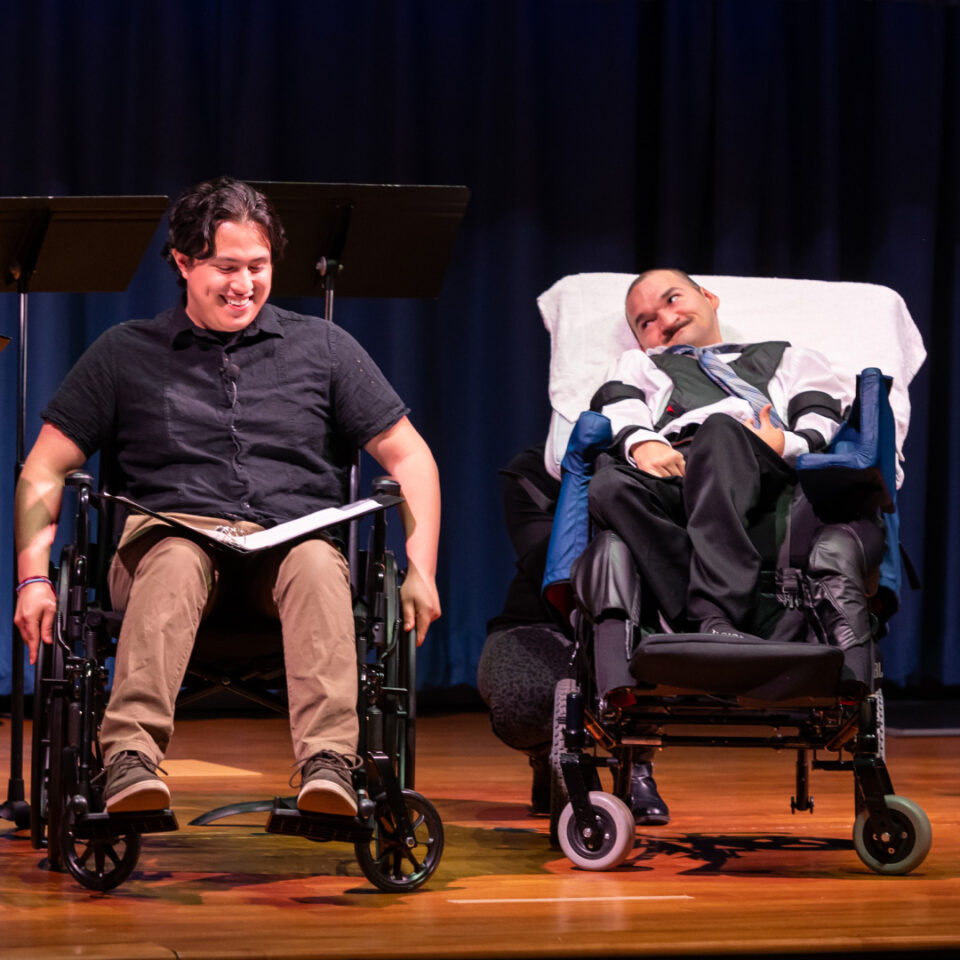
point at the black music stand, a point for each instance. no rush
(61, 245)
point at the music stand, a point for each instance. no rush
(61, 245)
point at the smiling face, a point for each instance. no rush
(226, 291)
(665, 309)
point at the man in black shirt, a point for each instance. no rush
(226, 410)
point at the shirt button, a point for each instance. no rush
(245, 504)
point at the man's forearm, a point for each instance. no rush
(420, 483)
(38, 497)
(37, 503)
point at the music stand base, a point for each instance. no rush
(16, 808)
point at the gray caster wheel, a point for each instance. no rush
(618, 833)
(558, 789)
(902, 852)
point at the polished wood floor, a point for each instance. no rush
(734, 873)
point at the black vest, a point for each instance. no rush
(692, 388)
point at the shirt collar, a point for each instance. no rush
(722, 347)
(266, 321)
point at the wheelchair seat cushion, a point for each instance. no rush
(747, 667)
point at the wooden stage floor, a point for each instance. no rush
(734, 873)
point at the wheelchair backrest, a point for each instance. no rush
(855, 325)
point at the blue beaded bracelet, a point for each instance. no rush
(29, 580)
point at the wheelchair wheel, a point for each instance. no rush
(389, 864)
(46, 764)
(558, 789)
(618, 833)
(99, 862)
(900, 853)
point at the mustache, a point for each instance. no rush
(677, 328)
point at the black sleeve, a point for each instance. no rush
(364, 403)
(612, 392)
(84, 406)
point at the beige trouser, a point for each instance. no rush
(167, 584)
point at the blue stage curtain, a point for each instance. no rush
(802, 138)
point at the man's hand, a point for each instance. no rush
(36, 609)
(659, 459)
(772, 436)
(421, 602)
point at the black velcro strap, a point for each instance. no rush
(814, 439)
(813, 401)
(612, 392)
(539, 499)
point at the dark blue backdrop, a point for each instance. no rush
(799, 138)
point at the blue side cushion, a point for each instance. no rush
(863, 451)
(860, 467)
(571, 525)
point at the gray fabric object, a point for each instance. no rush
(518, 671)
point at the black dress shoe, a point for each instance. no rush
(540, 791)
(647, 805)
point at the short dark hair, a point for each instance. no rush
(197, 212)
(680, 273)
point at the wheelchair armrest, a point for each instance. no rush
(858, 473)
(386, 486)
(79, 478)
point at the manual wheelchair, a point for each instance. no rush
(397, 833)
(816, 687)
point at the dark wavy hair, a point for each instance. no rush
(197, 212)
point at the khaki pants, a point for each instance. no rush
(167, 584)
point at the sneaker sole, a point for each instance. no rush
(324, 796)
(141, 796)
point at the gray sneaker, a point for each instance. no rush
(326, 785)
(132, 784)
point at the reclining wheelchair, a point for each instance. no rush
(397, 833)
(815, 684)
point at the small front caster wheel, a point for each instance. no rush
(387, 862)
(900, 852)
(616, 833)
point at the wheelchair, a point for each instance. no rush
(814, 689)
(397, 833)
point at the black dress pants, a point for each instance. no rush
(699, 541)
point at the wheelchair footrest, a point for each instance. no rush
(97, 826)
(317, 826)
(738, 666)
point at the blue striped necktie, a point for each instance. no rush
(722, 374)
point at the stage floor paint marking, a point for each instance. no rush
(679, 896)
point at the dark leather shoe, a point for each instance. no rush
(647, 805)
(540, 791)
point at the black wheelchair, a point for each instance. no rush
(817, 693)
(397, 833)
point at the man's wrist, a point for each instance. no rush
(26, 581)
